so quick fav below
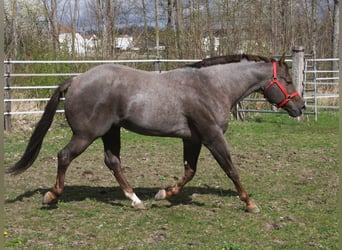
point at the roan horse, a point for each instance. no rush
(192, 103)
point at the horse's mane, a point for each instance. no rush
(227, 59)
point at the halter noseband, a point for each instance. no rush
(275, 81)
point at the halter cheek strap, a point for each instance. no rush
(275, 81)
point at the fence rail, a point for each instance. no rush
(315, 77)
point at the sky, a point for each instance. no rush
(130, 13)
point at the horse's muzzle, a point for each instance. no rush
(293, 109)
(301, 109)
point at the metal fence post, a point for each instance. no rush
(7, 96)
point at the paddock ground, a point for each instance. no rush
(290, 168)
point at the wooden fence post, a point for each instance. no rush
(7, 95)
(157, 66)
(298, 67)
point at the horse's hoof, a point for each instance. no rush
(49, 198)
(253, 209)
(138, 205)
(161, 195)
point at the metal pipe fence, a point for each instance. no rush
(321, 84)
(17, 86)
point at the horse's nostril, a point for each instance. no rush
(303, 107)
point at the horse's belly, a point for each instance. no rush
(159, 127)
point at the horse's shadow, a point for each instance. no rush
(114, 195)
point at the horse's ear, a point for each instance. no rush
(282, 60)
(270, 56)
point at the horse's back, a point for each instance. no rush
(141, 101)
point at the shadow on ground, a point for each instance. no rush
(114, 195)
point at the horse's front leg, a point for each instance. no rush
(191, 152)
(219, 149)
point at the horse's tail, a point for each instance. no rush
(36, 140)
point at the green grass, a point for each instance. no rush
(290, 168)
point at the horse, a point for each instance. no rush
(192, 102)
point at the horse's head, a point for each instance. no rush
(281, 92)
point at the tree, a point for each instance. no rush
(73, 27)
(156, 7)
(51, 13)
(260, 26)
(146, 37)
(24, 28)
(335, 36)
(103, 13)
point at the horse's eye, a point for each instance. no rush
(288, 80)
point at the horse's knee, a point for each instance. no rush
(112, 162)
(63, 157)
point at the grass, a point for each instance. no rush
(290, 168)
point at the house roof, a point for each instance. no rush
(63, 29)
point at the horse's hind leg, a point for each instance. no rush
(112, 144)
(191, 152)
(75, 147)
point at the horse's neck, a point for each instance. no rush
(239, 80)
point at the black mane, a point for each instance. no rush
(227, 59)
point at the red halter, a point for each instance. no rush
(287, 97)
